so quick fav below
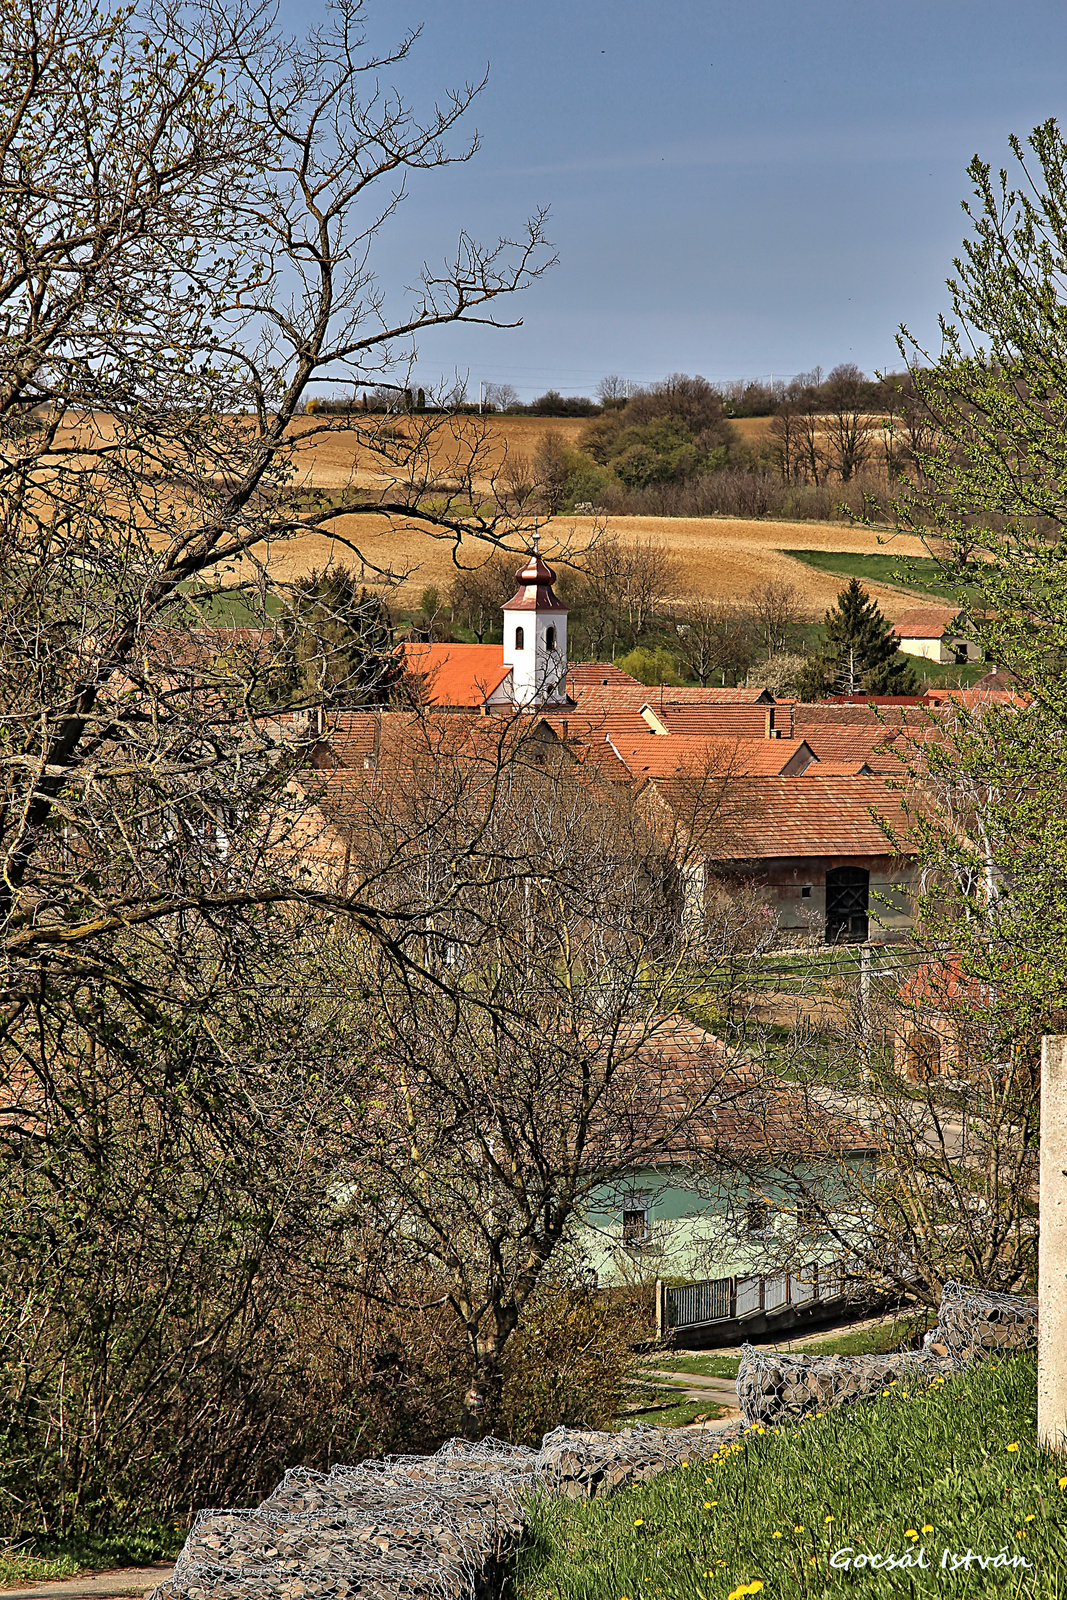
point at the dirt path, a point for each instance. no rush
(97, 1585)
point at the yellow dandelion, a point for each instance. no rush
(827, 1519)
(707, 1505)
(1013, 1446)
(1063, 1483)
(1031, 1517)
(798, 1527)
(884, 1393)
(928, 1527)
(812, 1561)
(638, 1522)
(910, 1533)
(776, 1534)
(1020, 1534)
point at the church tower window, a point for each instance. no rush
(520, 639)
(550, 639)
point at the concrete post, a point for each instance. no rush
(661, 1308)
(1052, 1249)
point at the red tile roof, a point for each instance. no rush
(927, 622)
(456, 674)
(653, 755)
(769, 818)
(689, 1097)
(598, 674)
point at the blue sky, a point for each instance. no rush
(736, 189)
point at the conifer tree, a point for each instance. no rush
(337, 643)
(859, 653)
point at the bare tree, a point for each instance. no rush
(522, 1068)
(774, 608)
(717, 639)
(848, 427)
(478, 593)
(154, 364)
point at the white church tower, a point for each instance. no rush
(535, 636)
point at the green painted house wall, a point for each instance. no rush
(698, 1225)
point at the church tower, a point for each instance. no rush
(535, 636)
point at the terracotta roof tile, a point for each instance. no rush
(768, 818)
(654, 755)
(456, 674)
(927, 622)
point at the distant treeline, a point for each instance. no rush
(833, 444)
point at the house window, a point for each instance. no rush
(550, 639)
(635, 1229)
(923, 1057)
(809, 1216)
(805, 893)
(757, 1214)
(961, 654)
(520, 639)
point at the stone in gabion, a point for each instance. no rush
(973, 1324)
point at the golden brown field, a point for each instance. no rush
(719, 557)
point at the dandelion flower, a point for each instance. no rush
(638, 1521)
(910, 1533)
(776, 1534)
(1063, 1483)
(798, 1527)
(1013, 1446)
(827, 1519)
(928, 1527)
(707, 1505)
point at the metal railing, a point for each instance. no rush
(731, 1299)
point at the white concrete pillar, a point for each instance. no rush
(1052, 1249)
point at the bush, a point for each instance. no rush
(650, 666)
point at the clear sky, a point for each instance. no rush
(736, 189)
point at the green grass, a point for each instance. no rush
(676, 1416)
(699, 1366)
(772, 1512)
(45, 1557)
(921, 574)
(21, 1571)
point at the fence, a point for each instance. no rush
(728, 1299)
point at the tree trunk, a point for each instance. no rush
(483, 1400)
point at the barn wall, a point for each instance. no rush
(784, 881)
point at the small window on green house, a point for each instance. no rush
(635, 1229)
(757, 1214)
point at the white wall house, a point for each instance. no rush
(934, 633)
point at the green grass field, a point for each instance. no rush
(921, 574)
(931, 1479)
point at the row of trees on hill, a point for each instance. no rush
(671, 448)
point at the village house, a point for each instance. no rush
(936, 633)
(787, 798)
(749, 1178)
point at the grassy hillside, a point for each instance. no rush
(919, 574)
(953, 1466)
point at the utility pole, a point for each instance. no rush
(481, 386)
(1052, 1250)
(865, 1012)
